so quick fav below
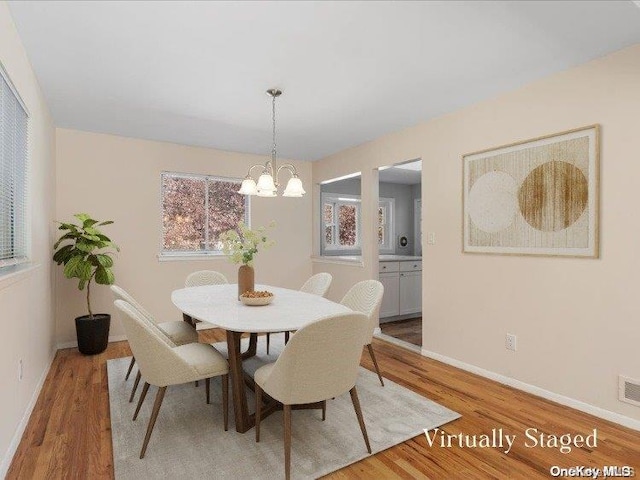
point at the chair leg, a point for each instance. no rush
(258, 411)
(196, 383)
(356, 406)
(287, 441)
(143, 394)
(375, 363)
(207, 384)
(135, 387)
(225, 401)
(324, 410)
(268, 342)
(286, 337)
(133, 362)
(152, 421)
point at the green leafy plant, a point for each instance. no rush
(86, 253)
(241, 247)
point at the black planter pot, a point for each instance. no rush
(93, 333)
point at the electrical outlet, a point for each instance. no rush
(20, 370)
(431, 238)
(511, 342)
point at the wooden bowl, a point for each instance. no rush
(256, 302)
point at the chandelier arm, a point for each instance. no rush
(287, 166)
(254, 166)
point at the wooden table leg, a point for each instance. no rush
(253, 346)
(244, 421)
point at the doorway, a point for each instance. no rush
(400, 252)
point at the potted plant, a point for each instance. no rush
(86, 255)
(241, 248)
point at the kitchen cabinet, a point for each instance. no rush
(402, 282)
(391, 300)
(410, 292)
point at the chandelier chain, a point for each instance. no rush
(273, 109)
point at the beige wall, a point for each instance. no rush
(26, 298)
(118, 178)
(577, 320)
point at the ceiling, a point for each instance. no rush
(196, 72)
(409, 173)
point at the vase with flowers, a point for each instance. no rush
(241, 246)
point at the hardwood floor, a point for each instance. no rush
(68, 435)
(409, 330)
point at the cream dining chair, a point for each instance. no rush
(205, 277)
(176, 332)
(319, 363)
(162, 365)
(200, 279)
(317, 284)
(366, 297)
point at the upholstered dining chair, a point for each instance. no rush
(176, 332)
(319, 363)
(366, 297)
(199, 279)
(205, 277)
(317, 284)
(162, 365)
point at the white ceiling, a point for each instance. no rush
(196, 72)
(409, 173)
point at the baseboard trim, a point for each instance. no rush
(540, 392)
(112, 338)
(22, 426)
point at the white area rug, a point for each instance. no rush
(189, 440)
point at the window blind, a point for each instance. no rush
(13, 174)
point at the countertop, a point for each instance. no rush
(399, 258)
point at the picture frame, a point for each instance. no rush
(534, 197)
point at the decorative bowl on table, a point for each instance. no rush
(256, 299)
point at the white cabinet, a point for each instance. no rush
(402, 282)
(410, 292)
(391, 299)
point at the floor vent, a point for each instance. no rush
(629, 390)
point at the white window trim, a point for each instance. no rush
(180, 255)
(9, 267)
(390, 235)
(339, 199)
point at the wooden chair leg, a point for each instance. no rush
(225, 401)
(324, 410)
(135, 386)
(196, 383)
(356, 406)
(207, 384)
(287, 441)
(143, 394)
(268, 342)
(152, 421)
(258, 411)
(133, 362)
(286, 337)
(375, 363)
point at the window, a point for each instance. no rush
(14, 145)
(386, 234)
(341, 222)
(196, 209)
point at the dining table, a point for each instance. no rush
(289, 310)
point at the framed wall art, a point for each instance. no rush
(537, 197)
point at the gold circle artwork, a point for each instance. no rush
(553, 196)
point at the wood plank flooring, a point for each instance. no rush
(68, 435)
(409, 330)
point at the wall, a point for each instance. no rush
(118, 178)
(26, 297)
(576, 319)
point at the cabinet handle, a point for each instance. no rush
(414, 266)
(384, 266)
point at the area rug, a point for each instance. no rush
(189, 440)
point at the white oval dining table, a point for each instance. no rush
(219, 305)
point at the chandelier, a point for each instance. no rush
(267, 185)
